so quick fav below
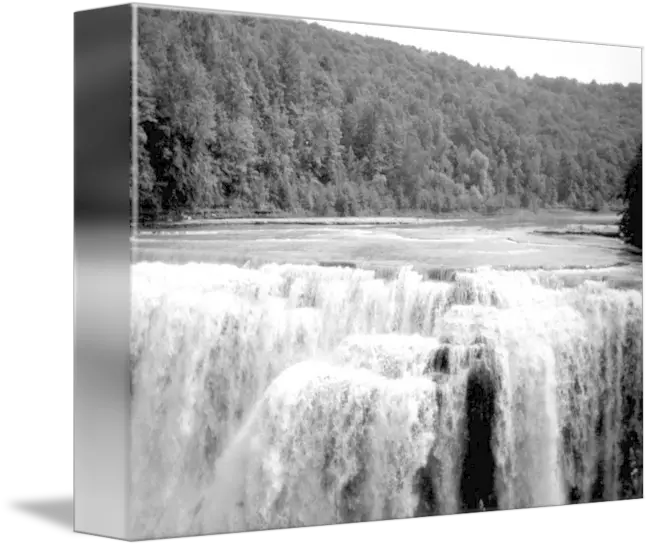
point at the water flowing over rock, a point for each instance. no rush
(294, 395)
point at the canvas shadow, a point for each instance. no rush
(59, 511)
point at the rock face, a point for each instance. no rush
(478, 480)
(475, 438)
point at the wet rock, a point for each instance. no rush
(477, 483)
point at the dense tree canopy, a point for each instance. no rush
(251, 113)
(630, 225)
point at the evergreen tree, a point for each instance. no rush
(630, 225)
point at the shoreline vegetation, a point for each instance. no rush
(291, 118)
(259, 122)
(210, 217)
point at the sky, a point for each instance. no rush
(583, 62)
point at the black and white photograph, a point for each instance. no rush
(378, 273)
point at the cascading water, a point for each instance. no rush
(302, 395)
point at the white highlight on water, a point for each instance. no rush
(299, 395)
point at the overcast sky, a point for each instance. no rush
(584, 62)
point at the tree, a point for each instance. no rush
(247, 112)
(479, 176)
(475, 198)
(598, 203)
(630, 225)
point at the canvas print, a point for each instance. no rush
(378, 275)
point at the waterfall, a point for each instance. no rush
(292, 395)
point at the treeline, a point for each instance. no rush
(245, 113)
(630, 224)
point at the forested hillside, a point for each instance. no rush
(243, 113)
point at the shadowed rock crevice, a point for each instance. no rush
(598, 487)
(425, 483)
(427, 478)
(441, 361)
(478, 479)
(574, 492)
(631, 453)
(447, 358)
